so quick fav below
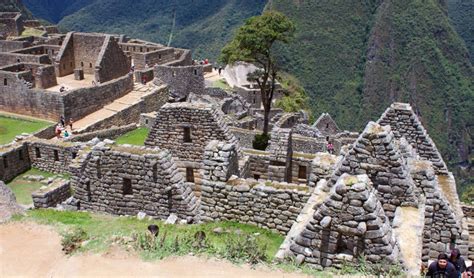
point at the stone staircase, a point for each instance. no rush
(133, 97)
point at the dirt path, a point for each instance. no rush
(31, 250)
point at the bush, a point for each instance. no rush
(72, 240)
(246, 250)
(260, 142)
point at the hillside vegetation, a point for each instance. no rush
(55, 10)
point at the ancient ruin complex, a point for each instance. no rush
(198, 162)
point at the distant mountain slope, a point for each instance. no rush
(204, 26)
(461, 13)
(54, 10)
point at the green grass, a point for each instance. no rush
(221, 84)
(11, 127)
(101, 228)
(23, 188)
(32, 32)
(134, 137)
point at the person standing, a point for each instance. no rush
(70, 123)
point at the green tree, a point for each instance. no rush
(254, 43)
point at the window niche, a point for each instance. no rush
(187, 134)
(127, 186)
(189, 174)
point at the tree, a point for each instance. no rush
(253, 43)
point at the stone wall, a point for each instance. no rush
(350, 223)
(182, 80)
(441, 227)
(12, 23)
(376, 154)
(111, 62)
(404, 123)
(245, 136)
(7, 46)
(8, 58)
(54, 157)
(131, 114)
(81, 102)
(185, 129)
(326, 125)
(14, 160)
(126, 181)
(151, 58)
(148, 119)
(52, 195)
(109, 133)
(258, 163)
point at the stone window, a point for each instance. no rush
(18, 60)
(301, 172)
(5, 82)
(90, 65)
(82, 64)
(56, 155)
(74, 155)
(37, 152)
(174, 73)
(99, 170)
(255, 176)
(127, 186)
(134, 48)
(5, 162)
(189, 174)
(155, 172)
(170, 201)
(20, 154)
(64, 66)
(195, 72)
(146, 121)
(187, 134)
(141, 49)
(159, 56)
(147, 50)
(70, 64)
(327, 125)
(88, 189)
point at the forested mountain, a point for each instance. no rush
(352, 57)
(54, 10)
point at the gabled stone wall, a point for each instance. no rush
(127, 180)
(350, 223)
(376, 154)
(404, 123)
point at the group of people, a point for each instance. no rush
(61, 128)
(201, 62)
(452, 266)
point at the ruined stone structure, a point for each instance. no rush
(384, 194)
(12, 24)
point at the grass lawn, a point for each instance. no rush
(134, 137)
(221, 84)
(11, 127)
(23, 188)
(31, 32)
(101, 228)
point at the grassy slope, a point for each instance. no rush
(10, 127)
(134, 137)
(201, 26)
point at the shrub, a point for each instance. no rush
(72, 240)
(246, 250)
(260, 142)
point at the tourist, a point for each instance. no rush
(330, 147)
(62, 121)
(62, 89)
(66, 134)
(206, 61)
(144, 79)
(57, 131)
(457, 261)
(220, 70)
(442, 268)
(70, 123)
